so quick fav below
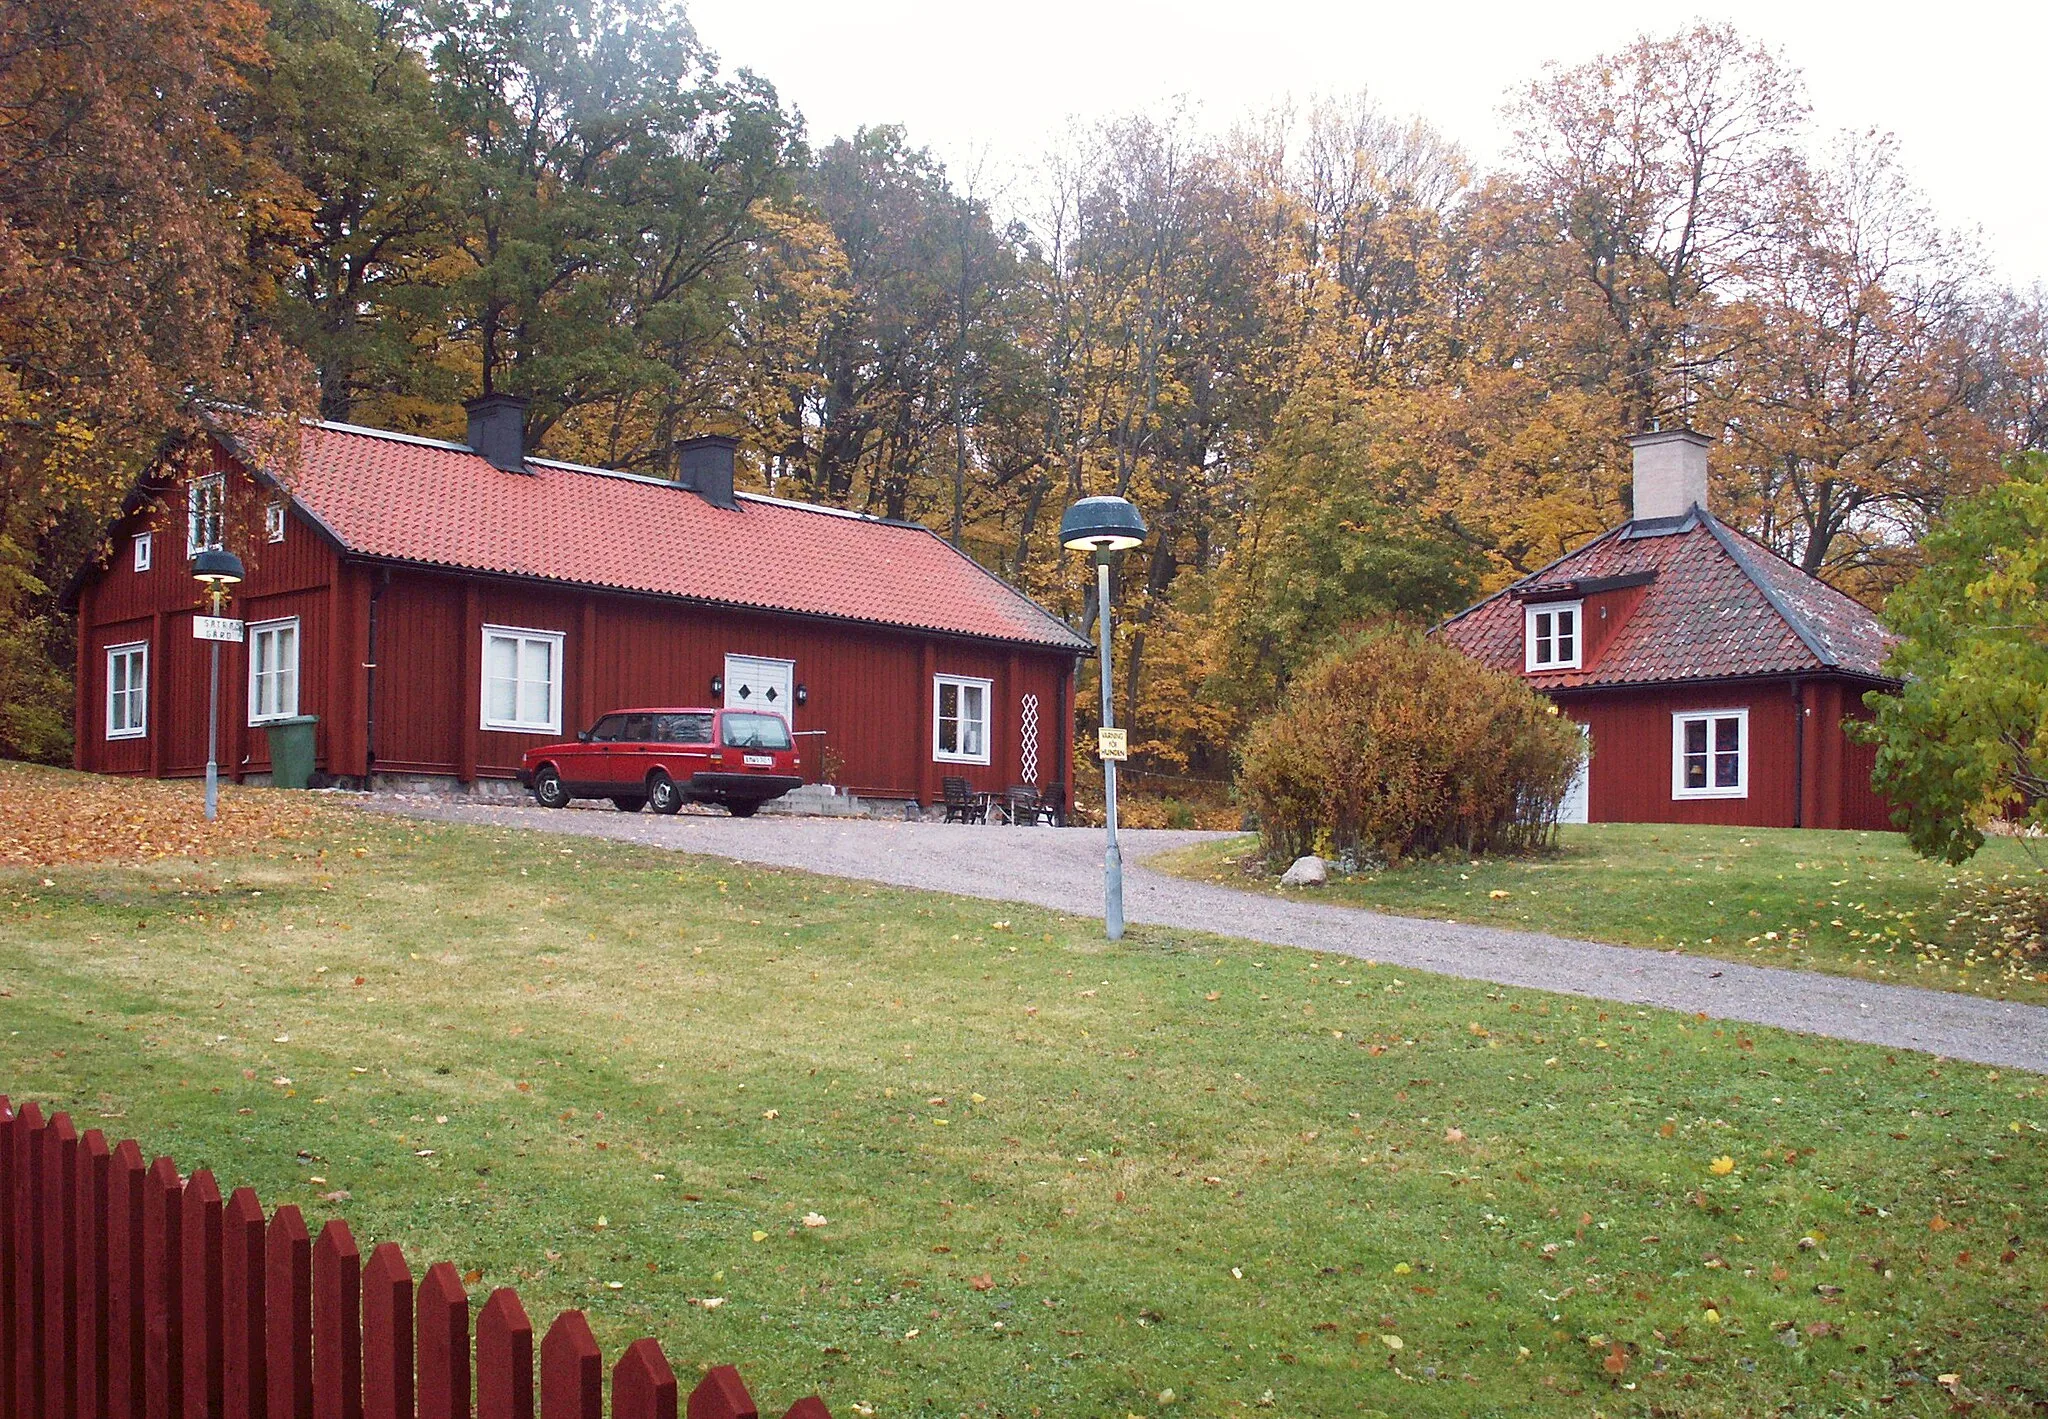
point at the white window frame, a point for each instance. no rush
(523, 636)
(1679, 719)
(961, 683)
(145, 548)
(288, 705)
(273, 521)
(1531, 640)
(206, 500)
(138, 690)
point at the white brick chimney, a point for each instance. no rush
(1671, 472)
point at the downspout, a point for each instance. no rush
(1798, 752)
(382, 585)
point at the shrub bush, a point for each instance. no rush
(1401, 748)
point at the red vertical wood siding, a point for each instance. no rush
(868, 688)
(117, 604)
(1823, 782)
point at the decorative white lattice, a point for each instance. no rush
(1028, 738)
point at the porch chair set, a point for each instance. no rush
(1020, 805)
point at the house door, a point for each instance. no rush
(1578, 799)
(756, 682)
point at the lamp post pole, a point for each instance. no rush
(213, 731)
(216, 569)
(1112, 855)
(1106, 526)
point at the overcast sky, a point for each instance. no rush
(992, 83)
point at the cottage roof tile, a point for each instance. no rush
(439, 504)
(1718, 605)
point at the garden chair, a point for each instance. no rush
(1022, 805)
(963, 805)
(1052, 805)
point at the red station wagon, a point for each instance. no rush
(669, 757)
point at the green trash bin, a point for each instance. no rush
(291, 750)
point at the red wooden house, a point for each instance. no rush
(442, 607)
(1711, 675)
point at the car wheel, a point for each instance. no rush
(549, 791)
(745, 809)
(663, 794)
(631, 803)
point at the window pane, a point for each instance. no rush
(1728, 734)
(949, 700)
(684, 728)
(974, 716)
(1727, 771)
(1695, 736)
(1695, 771)
(756, 731)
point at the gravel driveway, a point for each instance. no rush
(1062, 868)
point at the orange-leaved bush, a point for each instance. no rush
(1400, 747)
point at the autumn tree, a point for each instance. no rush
(1853, 405)
(128, 211)
(1646, 181)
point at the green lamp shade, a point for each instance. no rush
(1101, 525)
(217, 566)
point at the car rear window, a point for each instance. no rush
(683, 728)
(756, 731)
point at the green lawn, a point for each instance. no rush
(1058, 1177)
(1850, 903)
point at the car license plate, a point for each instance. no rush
(764, 761)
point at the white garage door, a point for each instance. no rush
(757, 682)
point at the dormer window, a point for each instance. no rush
(1551, 636)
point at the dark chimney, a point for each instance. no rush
(704, 466)
(497, 430)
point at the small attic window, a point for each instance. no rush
(1551, 635)
(145, 544)
(273, 521)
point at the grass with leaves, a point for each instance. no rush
(931, 1159)
(1844, 902)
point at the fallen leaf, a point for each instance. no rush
(983, 1282)
(814, 1219)
(1617, 1359)
(1722, 1166)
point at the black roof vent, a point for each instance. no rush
(497, 430)
(704, 466)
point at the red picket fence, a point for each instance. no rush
(127, 1292)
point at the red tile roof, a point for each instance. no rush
(1718, 605)
(438, 504)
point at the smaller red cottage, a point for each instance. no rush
(442, 607)
(1712, 676)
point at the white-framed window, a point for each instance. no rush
(960, 719)
(273, 670)
(522, 680)
(273, 521)
(128, 690)
(205, 504)
(1551, 635)
(145, 544)
(1710, 754)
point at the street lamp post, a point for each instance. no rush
(216, 569)
(1106, 526)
